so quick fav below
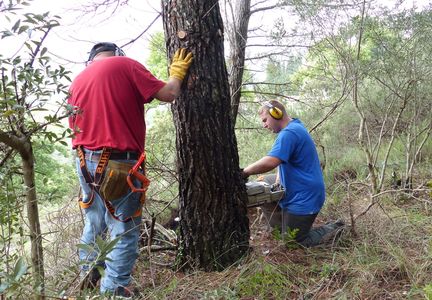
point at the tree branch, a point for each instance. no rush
(55, 120)
(264, 8)
(274, 94)
(142, 33)
(273, 45)
(12, 141)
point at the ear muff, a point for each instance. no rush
(100, 47)
(275, 112)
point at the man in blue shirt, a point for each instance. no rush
(299, 172)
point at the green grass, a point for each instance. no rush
(263, 280)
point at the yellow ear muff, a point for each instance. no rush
(275, 112)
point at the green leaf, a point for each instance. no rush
(39, 17)
(100, 269)
(39, 109)
(16, 60)
(44, 50)
(6, 34)
(30, 19)
(20, 269)
(109, 246)
(85, 247)
(3, 287)
(22, 29)
(16, 25)
(8, 113)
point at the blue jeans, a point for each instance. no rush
(99, 222)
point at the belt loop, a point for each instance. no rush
(127, 155)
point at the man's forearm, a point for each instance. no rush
(169, 91)
(265, 164)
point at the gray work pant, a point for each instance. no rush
(306, 235)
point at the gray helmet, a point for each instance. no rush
(105, 46)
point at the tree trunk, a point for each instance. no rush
(238, 38)
(214, 231)
(363, 123)
(33, 217)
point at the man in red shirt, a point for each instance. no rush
(108, 97)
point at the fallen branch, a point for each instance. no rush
(157, 248)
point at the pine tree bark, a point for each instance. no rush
(214, 229)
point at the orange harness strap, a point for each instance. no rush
(99, 175)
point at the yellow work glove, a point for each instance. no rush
(180, 64)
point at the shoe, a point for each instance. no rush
(339, 223)
(332, 236)
(123, 293)
(91, 279)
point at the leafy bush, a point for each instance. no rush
(12, 284)
(55, 173)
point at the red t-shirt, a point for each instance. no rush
(110, 94)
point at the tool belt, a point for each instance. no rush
(113, 156)
(112, 179)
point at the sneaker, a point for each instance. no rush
(91, 279)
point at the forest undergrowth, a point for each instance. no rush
(383, 254)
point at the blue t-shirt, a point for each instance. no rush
(300, 170)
